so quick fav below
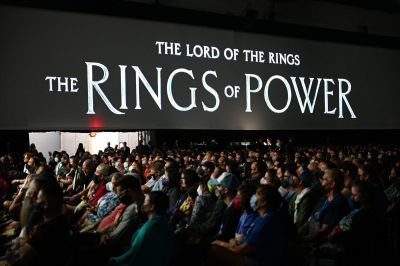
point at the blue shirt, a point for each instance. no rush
(245, 221)
(268, 237)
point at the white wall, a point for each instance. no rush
(99, 142)
(69, 141)
(46, 142)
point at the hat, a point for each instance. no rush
(227, 180)
(306, 177)
(102, 169)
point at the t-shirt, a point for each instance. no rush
(331, 212)
(112, 217)
(51, 242)
(245, 221)
(152, 245)
(100, 191)
(105, 205)
(268, 237)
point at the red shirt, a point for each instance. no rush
(112, 217)
(100, 191)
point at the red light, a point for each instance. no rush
(96, 123)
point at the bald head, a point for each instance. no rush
(88, 166)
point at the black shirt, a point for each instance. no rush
(51, 242)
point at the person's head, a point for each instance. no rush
(362, 194)
(173, 176)
(31, 162)
(270, 178)
(207, 168)
(50, 199)
(170, 162)
(108, 144)
(323, 166)
(138, 167)
(365, 172)
(266, 199)
(254, 168)
(394, 176)
(280, 171)
(332, 180)
(115, 178)
(87, 167)
(155, 203)
(288, 179)
(231, 167)
(127, 188)
(189, 178)
(73, 162)
(102, 171)
(226, 185)
(349, 171)
(304, 178)
(244, 194)
(64, 159)
(27, 156)
(156, 169)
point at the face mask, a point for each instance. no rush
(217, 193)
(56, 159)
(263, 181)
(130, 169)
(126, 165)
(199, 191)
(96, 179)
(253, 203)
(109, 186)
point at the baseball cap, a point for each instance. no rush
(227, 180)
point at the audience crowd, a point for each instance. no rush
(261, 204)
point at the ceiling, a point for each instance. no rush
(369, 17)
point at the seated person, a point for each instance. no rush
(359, 232)
(331, 208)
(50, 240)
(155, 235)
(105, 205)
(265, 241)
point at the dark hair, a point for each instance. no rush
(366, 191)
(351, 167)
(209, 165)
(53, 193)
(191, 177)
(128, 182)
(192, 192)
(172, 163)
(117, 176)
(158, 166)
(173, 176)
(247, 191)
(160, 201)
(337, 177)
(271, 195)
